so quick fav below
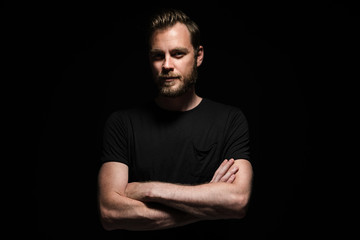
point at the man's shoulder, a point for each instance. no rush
(127, 113)
(218, 106)
(134, 109)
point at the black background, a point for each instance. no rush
(288, 66)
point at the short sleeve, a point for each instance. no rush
(237, 136)
(115, 141)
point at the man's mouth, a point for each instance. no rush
(168, 78)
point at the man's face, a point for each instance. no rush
(173, 61)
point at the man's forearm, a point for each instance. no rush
(130, 214)
(206, 201)
(226, 196)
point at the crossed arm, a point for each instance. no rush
(159, 205)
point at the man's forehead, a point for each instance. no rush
(177, 36)
(174, 29)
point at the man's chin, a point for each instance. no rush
(174, 88)
(174, 91)
(170, 93)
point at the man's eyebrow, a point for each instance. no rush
(152, 51)
(179, 49)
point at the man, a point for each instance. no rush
(181, 159)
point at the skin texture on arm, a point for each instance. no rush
(118, 211)
(218, 199)
(121, 208)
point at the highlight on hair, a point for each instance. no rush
(166, 18)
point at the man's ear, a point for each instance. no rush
(199, 55)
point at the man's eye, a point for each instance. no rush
(178, 54)
(157, 56)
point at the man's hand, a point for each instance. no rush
(225, 172)
(142, 191)
(214, 200)
(138, 191)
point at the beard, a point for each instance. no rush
(177, 87)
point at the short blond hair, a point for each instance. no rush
(169, 17)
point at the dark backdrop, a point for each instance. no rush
(285, 65)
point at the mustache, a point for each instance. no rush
(168, 75)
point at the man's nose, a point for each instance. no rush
(168, 63)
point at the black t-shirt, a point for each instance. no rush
(177, 147)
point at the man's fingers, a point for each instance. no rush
(217, 170)
(221, 166)
(229, 174)
(231, 179)
(222, 170)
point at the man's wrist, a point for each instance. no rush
(149, 190)
(156, 191)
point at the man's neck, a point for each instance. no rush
(183, 103)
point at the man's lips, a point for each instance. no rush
(170, 79)
(165, 78)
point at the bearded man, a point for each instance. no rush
(181, 159)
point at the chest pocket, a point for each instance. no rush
(205, 161)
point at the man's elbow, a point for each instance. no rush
(108, 219)
(240, 205)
